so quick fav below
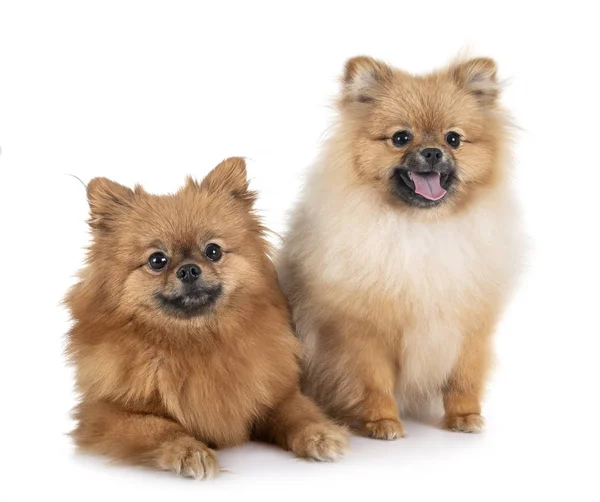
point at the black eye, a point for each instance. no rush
(157, 261)
(213, 252)
(453, 139)
(401, 138)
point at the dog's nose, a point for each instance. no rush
(432, 155)
(188, 273)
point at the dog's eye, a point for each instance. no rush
(213, 252)
(157, 261)
(453, 139)
(401, 138)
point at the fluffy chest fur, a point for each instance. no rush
(419, 283)
(215, 390)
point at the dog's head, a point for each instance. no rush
(426, 141)
(181, 257)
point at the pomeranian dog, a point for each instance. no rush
(182, 338)
(404, 247)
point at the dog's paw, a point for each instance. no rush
(388, 429)
(320, 441)
(188, 457)
(464, 423)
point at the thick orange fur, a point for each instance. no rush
(162, 390)
(397, 304)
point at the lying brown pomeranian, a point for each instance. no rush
(181, 338)
(405, 246)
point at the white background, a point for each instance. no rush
(148, 92)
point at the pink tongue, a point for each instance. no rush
(428, 185)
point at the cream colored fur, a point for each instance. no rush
(349, 252)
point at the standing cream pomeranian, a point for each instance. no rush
(405, 246)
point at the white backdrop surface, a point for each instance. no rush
(151, 91)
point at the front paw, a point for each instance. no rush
(388, 429)
(472, 422)
(320, 441)
(188, 457)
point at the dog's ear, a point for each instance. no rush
(229, 177)
(479, 77)
(362, 79)
(108, 200)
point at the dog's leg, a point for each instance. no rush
(379, 415)
(464, 391)
(142, 439)
(353, 376)
(297, 424)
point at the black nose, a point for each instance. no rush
(188, 273)
(432, 155)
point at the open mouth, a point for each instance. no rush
(426, 184)
(191, 303)
(422, 188)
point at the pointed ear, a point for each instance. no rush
(362, 78)
(478, 76)
(229, 177)
(191, 183)
(108, 200)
